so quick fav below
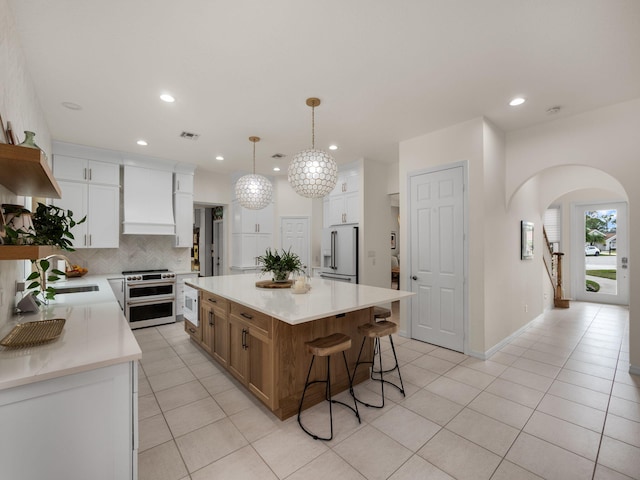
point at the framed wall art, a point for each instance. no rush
(526, 239)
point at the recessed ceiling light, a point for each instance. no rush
(220, 158)
(165, 97)
(333, 147)
(71, 106)
(517, 101)
(276, 169)
(142, 142)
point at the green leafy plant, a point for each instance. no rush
(280, 264)
(39, 278)
(51, 226)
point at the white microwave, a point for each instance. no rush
(190, 310)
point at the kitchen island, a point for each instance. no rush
(258, 334)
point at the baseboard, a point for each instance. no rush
(506, 340)
(634, 370)
(403, 333)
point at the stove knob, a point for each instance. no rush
(128, 278)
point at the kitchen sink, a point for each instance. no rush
(82, 288)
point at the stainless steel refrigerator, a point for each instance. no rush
(340, 253)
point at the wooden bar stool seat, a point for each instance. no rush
(325, 347)
(375, 330)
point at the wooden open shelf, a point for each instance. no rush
(26, 252)
(25, 171)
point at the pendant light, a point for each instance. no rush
(313, 173)
(254, 191)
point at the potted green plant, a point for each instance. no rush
(51, 226)
(281, 265)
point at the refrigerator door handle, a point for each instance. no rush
(334, 234)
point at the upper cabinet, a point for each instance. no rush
(25, 171)
(183, 183)
(342, 205)
(88, 171)
(246, 220)
(90, 188)
(183, 209)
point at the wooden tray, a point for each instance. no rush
(272, 284)
(33, 333)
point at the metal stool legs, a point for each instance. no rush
(327, 382)
(377, 351)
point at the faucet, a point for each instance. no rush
(58, 257)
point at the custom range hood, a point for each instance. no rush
(148, 201)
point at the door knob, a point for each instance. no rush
(414, 278)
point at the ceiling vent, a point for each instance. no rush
(190, 135)
(278, 155)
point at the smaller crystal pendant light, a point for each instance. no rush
(254, 191)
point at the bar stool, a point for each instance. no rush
(325, 347)
(379, 328)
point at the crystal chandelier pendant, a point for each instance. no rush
(254, 191)
(313, 173)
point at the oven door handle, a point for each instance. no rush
(151, 301)
(150, 284)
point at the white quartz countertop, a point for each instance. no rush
(95, 335)
(326, 297)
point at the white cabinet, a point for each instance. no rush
(101, 205)
(342, 205)
(183, 212)
(180, 279)
(252, 221)
(252, 235)
(77, 426)
(183, 183)
(82, 170)
(117, 285)
(183, 209)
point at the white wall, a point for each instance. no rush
(605, 139)
(19, 105)
(375, 255)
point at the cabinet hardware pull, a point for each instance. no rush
(246, 315)
(178, 185)
(212, 300)
(244, 339)
(89, 239)
(90, 174)
(192, 330)
(211, 322)
(85, 239)
(84, 173)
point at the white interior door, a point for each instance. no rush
(600, 253)
(295, 236)
(436, 207)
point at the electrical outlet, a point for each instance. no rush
(526, 308)
(1, 297)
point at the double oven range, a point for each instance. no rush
(150, 297)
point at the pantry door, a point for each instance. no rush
(436, 229)
(294, 235)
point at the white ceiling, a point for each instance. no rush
(385, 70)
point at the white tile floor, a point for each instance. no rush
(556, 403)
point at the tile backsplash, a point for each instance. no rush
(144, 252)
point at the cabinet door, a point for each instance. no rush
(237, 359)
(183, 183)
(74, 198)
(260, 376)
(337, 210)
(220, 341)
(103, 217)
(351, 181)
(352, 207)
(183, 211)
(103, 172)
(207, 323)
(70, 168)
(263, 241)
(264, 219)
(193, 331)
(326, 213)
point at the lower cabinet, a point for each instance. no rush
(251, 351)
(194, 331)
(80, 426)
(214, 315)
